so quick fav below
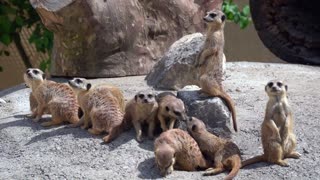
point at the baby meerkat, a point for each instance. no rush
(59, 99)
(100, 107)
(278, 139)
(142, 109)
(224, 153)
(170, 107)
(176, 149)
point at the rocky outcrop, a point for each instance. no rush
(175, 69)
(108, 38)
(211, 110)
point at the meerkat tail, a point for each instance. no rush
(231, 107)
(236, 165)
(253, 160)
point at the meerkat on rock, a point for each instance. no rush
(176, 149)
(278, 139)
(56, 98)
(224, 153)
(170, 108)
(100, 107)
(211, 59)
(141, 109)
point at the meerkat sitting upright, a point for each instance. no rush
(100, 107)
(224, 153)
(278, 139)
(170, 107)
(210, 61)
(176, 149)
(57, 98)
(142, 109)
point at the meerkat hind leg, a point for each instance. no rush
(137, 127)
(213, 171)
(53, 122)
(294, 155)
(94, 131)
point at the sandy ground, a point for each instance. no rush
(29, 151)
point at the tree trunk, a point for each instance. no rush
(107, 38)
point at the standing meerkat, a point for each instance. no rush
(224, 153)
(278, 139)
(142, 109)
(170, 107)
(176, 149)
(57, 98)
(210, 61)
(100, 107)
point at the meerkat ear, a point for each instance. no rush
(88, 86)
(286, 86)
(190, 118)
(136, 98)
(193, 127)
(265, 88)
(167, 108)
(223, 17)
(43, 76)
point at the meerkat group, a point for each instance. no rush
(102, 109)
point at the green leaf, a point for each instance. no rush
(5, 39)
(19, 21)
(5, 24)
(246, 10)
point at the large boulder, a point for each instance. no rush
(175, 69)
(211, 110)
(108, 38)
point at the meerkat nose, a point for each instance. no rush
(146, 100)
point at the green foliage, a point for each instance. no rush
(45, 64)
(16, 14)
(233, 13)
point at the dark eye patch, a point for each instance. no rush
(141, 96)
(270, 84)
(35, 71)
(150, 95)
(212, 15)
(279, 84)
(78, 81)
(177, 113)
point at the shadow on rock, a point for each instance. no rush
(258, 165)
(147, 144)
(123, 138)
(148, 169)
(22, 121)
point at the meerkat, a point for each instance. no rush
(278, 139)
(211, 59)
(100, 107)
(224, 153)
(170, 107)
(142, 109)
(57, 98)
(176, 149)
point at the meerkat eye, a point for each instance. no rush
(141, 96)
(78, 81)
(150, 96)
(35, 71)
(270, 84)
(212, 15)
(279, 84)
(177, 113)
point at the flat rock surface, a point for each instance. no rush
(29, 151)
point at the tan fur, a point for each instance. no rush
(176, 149)
(100, 107)
(170, 107)
(211, 59)
(224, 153)
(278, 139)
(142, 109)
(117, 93)
(57, 98)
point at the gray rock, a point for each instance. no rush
(211, 110)
(175, 70)
(2, 101)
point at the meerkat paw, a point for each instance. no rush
(139, 139)
(84, 127)
(93, 131)
(107, 139)
(37, 119)
(294, 155)
(212, 171)
(31, 116)
(283, 163)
